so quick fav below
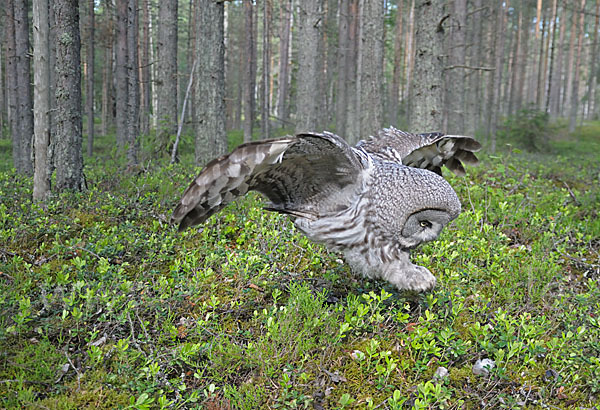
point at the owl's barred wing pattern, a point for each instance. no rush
(429, 151)
(304, 175)
(225, 178)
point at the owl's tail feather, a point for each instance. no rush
(225, 179)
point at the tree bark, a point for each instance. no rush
(502, 18)
(250, 71)
(166, 82)
(211, 138)
(266, 72)
(393, 115)
(555, 85)
(22, 118)
(568, 85)
(514, 66)
(145, 82)
(370, 67)
(284, 63)
(68, 154)
(107, 37)
(89, 89)
(352, 126)
(593, 57)
(41, 98)
(426, 93)
(310, 15)
(133, 87)
(575, 85)
(342, 79)
(455, 74)
(121, 79)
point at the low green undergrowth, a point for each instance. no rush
(104, 305)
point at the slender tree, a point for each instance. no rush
(19, 80)
(398, 67)
(310, 15)
(211, 138)
(250, 71)
(426, 94)
(343, 68)
(121, 78)
(68, 154)
(89, 82)
(284, 63)
(266, 71)
(455, 72)
(577, 70)
(145, 82)
(370, 66)
(41, 98)
(166, 82)
(133, 86)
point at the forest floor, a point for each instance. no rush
(104, 305)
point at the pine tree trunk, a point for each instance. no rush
(342, 72)
(284, 64)
(166, 81)
(568, 84)
(133, 88)
(398, 68)
(497, 83)
(22, 118)
(555, 85)
(331, 63)
(89, 90)
(266, 71)
(211, 138)
(455, 73)
(121, 79)
(514, 66)
(410, 54)
(575, 85)
(68, 154)
(551, 46)
(41, 98)
(523, 59)
(370, 67)
(145, 83)
(426, 93)
(593, 57)
(250, 71)
(353, 113)
(310, 15)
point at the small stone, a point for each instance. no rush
(482, 367)
(550, 375)
(440, 373)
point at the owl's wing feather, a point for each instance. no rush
(429, 151)
(304, 175)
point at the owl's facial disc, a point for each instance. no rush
(424, 226)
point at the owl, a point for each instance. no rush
(373, 202)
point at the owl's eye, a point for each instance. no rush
(425, 224)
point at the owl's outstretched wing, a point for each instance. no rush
(305, 175)
(429, 151)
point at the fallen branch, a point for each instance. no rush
(469, 67)
(180, 126)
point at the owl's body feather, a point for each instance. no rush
(373, 202)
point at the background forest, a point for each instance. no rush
(109, 108)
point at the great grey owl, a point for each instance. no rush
(373, 202)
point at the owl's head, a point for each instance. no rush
(417, 208)
(424, 226)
